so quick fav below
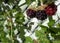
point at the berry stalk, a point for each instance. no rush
(41, 2)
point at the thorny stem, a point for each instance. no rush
(11, 33)
(10, 20)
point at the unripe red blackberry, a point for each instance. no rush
(51, 9)
(41, 15)
(31, 13)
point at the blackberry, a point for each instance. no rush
(31, 13)
(41, 15)
(51, 9)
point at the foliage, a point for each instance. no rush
(10, 10)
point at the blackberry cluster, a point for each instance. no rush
(31, 13)
(51, 9)
(41, 15)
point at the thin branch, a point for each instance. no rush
(12, 34)
(41, 2)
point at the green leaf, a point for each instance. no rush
(44, 40)
(56, 30)
(1, 23)
(44, 28)
(5, 40)
(29, 40)
(45, 1)
(19, 18)
(48, 2)
(1, 1)
(58, 25)
(40, 34)
(37, 33)
(57, 37)
(56, 41)
(51, 22)
(42, 37)
(21, 32)
(29, 2)
(3, 37)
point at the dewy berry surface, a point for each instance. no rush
(51, 9)
(31, 13)
(41, 15)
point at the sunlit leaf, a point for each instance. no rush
(29, 40)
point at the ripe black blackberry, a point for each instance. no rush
(31, 13)
(41, 15)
